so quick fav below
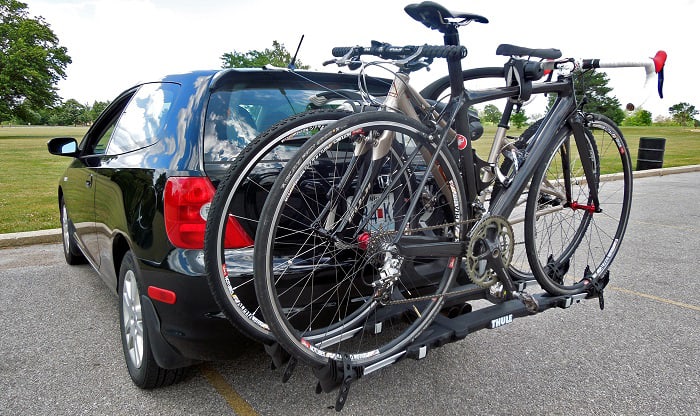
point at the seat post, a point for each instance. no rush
(454, 65)
(454, 68)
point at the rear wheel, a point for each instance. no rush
(240, 196)
(142, 366)
(335, 276)
(568, 242)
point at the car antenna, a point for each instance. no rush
(291, 64)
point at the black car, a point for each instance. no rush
(134, 200)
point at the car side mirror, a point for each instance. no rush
(63, 146)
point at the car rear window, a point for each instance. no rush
(238, 112)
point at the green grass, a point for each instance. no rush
(29, 174)
(682, 143)
(29, 177)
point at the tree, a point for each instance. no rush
(518, 119)
(682, 113)
(639, 117)
(277, 56)
(97, 108)
(595, 87)
(31, 62)
(491, 114)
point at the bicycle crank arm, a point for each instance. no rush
(495, 263)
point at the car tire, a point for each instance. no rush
(70, 248)
(143, 368)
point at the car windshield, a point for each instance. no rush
(239, 112)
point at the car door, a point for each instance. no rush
(82, 206)
(79, 181)
(78, 196)
(125, 176)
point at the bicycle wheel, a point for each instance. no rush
(237, 203)
(335, 277)
(569, 243)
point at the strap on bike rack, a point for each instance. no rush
(515, 77)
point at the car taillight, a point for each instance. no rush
(187, 201)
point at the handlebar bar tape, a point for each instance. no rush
(387, 51)
(655, 66)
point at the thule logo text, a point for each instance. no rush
(495, 323)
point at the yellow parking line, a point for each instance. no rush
(656, 298)
(234, 400)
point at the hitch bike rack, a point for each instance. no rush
(443, 330)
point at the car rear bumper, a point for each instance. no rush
(193, 328)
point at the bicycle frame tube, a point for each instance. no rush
(403, 98)
(537, 149)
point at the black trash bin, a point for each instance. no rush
(651, 153)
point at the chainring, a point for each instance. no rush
(491, 227)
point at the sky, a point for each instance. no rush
(115, 44)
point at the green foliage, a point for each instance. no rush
(519, 119)
(277, 56)
(683, 113)
(640, 117)
(68, 113)
(97, 108)
(594, 87)
(31, 62)
(491, 114)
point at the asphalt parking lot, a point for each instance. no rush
(60, 352)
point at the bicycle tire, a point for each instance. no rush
(234, 292)
(314, 284)
(569, 245)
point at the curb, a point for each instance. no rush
(665, 171)
(30, 238)
(54, 235)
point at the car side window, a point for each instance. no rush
(103, 141)
(141, 120)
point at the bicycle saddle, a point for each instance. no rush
(511, 50)
(439, 18)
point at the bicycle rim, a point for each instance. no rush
(327, 238)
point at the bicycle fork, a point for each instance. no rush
(582, 138)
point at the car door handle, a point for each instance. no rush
(88, 181)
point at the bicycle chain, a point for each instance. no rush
(421, 229)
